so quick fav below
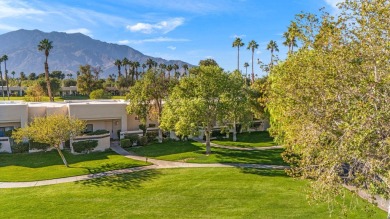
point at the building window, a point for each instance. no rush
(3, 130)
(88, 128)
(151, 125)
(136, 118)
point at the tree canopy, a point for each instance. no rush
(329, 101)
(52, 130)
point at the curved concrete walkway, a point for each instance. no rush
(157, 164)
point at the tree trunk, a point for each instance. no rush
(234, 131)
(253, 72)
(208, 146)
(238, 58)
(62, 156)
(6, 77)
(48, 81)
(2, 86)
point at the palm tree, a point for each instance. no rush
(185, 67)
(162, 66)
(5, 58)
(238, 43)
(149, 63)
(1, 77)
(143, 68)
(125, 62)
(272, 46)
(246, 65)
(118, 64)
(169, 69)
(175, 68)
(46, 45)
(135, 66)
(13, 74)
(291, 36)
(253, 46)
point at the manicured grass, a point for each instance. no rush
(253, 139)
(176, 193)
(194, 152)
(40, 166)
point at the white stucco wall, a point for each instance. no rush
(103, 141)
(5, 145)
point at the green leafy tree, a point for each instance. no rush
(252, 45)
(52, 130)
(236, 100)
(238, 43)
(55, 85)
(86, 81)
(148, 93)
(329, 102)
(196, 102)
(46, 45)
(99, 94)
(22, 76)
(32, 76)
(208, 62)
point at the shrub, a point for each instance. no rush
(143, 141)
(98, 132)
(84, 146)
(21, 147)
(151, 135)
(125, 143)
(8, 133)
(133, 138)
(143, 128)
(39, 146)
(99, 94)
(0, 145)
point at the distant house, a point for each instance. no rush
(110, 115)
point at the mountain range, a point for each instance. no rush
(68, 53)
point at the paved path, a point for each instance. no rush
(238, 148)
(157, 164)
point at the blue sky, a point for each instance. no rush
(188, 30)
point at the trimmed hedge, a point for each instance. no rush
(125, 143)
(39, 146)
(133, 138)
(151, 135)
(21, 147)
(98, 132)
(143, 141)
(84, 146)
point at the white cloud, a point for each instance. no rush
(172, 47)
(17, 8)
(258, 52)
(7, 27)
(156, 40)
(84, 31)
(162, 26)
(123, 42)
(333, 3)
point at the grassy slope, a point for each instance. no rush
(194, 152)
(175, 193)
(253, 139)
(39, 166)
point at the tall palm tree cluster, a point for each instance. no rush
(253, 46)
(132, 72)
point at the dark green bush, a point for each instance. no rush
(8, 133)
(151, 135)
(125, 143)
(39, 146)
(143, 141)
(21, 147)
(0, 145)
(133, 138)
(84, 146)
(98, 132)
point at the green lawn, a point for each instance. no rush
(40, 166)
(253, 139)
(194, 152)
(176, 193)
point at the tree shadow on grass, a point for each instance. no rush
(264, 172)
(122, 181)
(108, 167)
